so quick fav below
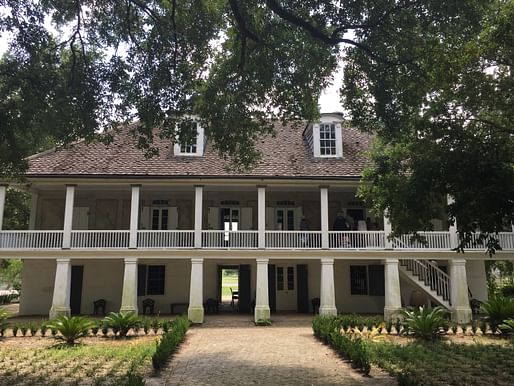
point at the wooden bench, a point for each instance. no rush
(173, 305)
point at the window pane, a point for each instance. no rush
(290, 278)
(155, 219)
(280, 279)
(164, 219)
(155, 282)
(358, 280)
(290, 220)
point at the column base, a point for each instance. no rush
(328, 311)
(461, 315)
(127, 309)
(391, 313)
(57, 311)
(195, 314)
(262, 313)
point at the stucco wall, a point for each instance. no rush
(37, 287)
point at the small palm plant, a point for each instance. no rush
(496, 310)
(507, 327)
(71, 328)
(425, 324)
(121, 322)
(4, 315)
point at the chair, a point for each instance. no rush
(99, 305)
(315, 305)
(235, 296)
(148, 304)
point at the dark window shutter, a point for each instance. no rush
(141, 280)
(358, 280)
(376, 280)
(156, 275)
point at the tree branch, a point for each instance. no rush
(241, 24)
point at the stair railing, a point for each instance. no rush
(430, 274)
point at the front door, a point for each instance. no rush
(77, 273)
(160, 218)
(230, 219)
(285, 219)
(286, 288)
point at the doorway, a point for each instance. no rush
(77, 274)
(228, 291)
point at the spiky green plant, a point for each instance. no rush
(121, 322)
(496, 310)
(507, 327)
(425, 324)
(71, 328)
(4, 315)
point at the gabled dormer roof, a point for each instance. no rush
(285, 155)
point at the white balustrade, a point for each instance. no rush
(165, 239)
(100, 239)
(229, 239)
(505, 239)
(357, 239)
(293, 239)
(431, 240)
(30, 239)
(430, 274)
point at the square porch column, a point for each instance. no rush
(129, 291)
(324, 216)
(198, 215)
(393, 300)
(195, 312)
(134, 215)
(261, 216)
(68, 216)
(461, 311)
(327, 297)
(262, 309)
(3, 191)
(62, 289)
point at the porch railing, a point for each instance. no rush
(431, 240)
(356, 239)
(100, 239)
(230, 239)
(30, 239)
(505, 239)
(165, 239)
(293, 239)
(431, 275)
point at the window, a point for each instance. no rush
(281, 280)
(327, 139)
(193, 145)
(190, 146)
(358, 280)
(367, 280)
(160, 218)
(285, 219)
(150, 279)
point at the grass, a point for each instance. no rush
(102, 363)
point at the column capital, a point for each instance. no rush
(63, 260)
(457, 262)
(199, 186)
(391, 261)
(130, 260)
(327, 260)
(324, 186)
(262, 261)
(135, 185)
(262, 186)
(197, 260)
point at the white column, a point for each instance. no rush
(327, 290)
(195, 311)
(324, 216)
(461, 311)
(62, 288)
(198, 215)
(261, 218)
(387, 231)
(3, 190)
(33, 209)
(393, 300)
(129, 292)
(454, 235)
(134, 215)
(262, 310)
(68, 216)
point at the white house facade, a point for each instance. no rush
(106, 223)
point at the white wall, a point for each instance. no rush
(37, 287)
(477, 280)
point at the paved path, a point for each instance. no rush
(230, 350)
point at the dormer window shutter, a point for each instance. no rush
(339, 140)
(315, 139)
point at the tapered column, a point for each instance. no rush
(62, 289)
(262, 310)
(393, 299)
(3, 190)
(195, 311)
(454, 235)
(129, 292)
(461, 311)
(198, 215)
(324, 216)
(134, 215)
(68, 216)
(327, 290)
(261, 218)
(387, 231)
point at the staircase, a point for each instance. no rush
(428, 277)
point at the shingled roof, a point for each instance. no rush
(285, 155)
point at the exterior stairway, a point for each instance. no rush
(429, 278)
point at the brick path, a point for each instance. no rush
(230, 350)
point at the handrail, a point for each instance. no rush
(430, 274)
(165, 238)
(356, 239)
(220, 239)
(293, 239)
(32, 239)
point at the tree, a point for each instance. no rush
(431, 79)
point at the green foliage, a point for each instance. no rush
(425, 324)
(496, 310)
(507, 327)
(71, 328)
(121, 322)
(10, 274)
(4, 316)
(324, 326)
(169, 342)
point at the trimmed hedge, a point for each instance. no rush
(169, 342)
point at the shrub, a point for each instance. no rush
(496, 310)
(4, 315)
(24, 329)
(33, 329)
(324, 326)
(71, 328)
(424, 323)
(169, 342)
(43, 328)
(121, 322)
(507, 327)
(15, 329)
(508, 290)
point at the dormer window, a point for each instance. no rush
(326, 137)
(194, 146)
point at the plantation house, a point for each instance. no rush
(106, 223)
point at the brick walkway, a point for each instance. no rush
(230, 350)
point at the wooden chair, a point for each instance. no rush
(148, 305)
(235, 296)
(99, 305)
